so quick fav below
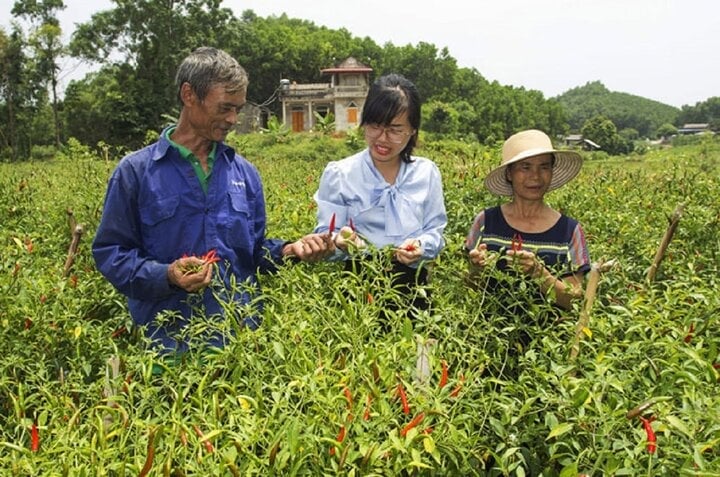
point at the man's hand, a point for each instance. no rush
(409, 251)
(190, 273)
(310, 248)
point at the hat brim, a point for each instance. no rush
(567, 166)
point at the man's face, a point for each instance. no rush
(213, 117)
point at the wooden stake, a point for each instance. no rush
(674, 220)
(590, 292)
(72, 250)
(71, 220)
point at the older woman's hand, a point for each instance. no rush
(527, 262)
(479, 256)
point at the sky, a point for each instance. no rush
(665, 50)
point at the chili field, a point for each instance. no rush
(337, 380)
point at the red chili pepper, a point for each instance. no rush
(348, 397)
(332, 223)
(444, 374)
(208, 445)
(689, 335)
(459, 386)
(416, 420)
(427, 430)
(716, 365)
(517, 242)
(403, 398)
(340, 437)
(410, 247)
(150, 455)
(651, 439)
(210, 257)
(366, 414)
(351, 225)
(34, 437)
(28, 323)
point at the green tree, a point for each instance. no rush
(604, 132)
(97, 108)
(665, 130)
(148, 39)
(441, 118)
(46, 42)
(600, 130)
(707, 111)
(15, 91)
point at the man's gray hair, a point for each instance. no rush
(206, 67)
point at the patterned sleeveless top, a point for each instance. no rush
(562, 247)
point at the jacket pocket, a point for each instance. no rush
(159, 210)
(238, 222)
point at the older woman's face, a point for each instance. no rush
(531, 177)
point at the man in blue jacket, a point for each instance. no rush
(170, 203)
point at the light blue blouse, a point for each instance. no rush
(384, 214)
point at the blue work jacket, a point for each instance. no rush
(156, 211)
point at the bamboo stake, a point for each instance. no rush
(674, 221)
(72, 250)
(590, 292)
(112, 371)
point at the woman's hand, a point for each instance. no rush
(479, 256)
(347, 238)
(409, 251)
(527, 262)
(310, 248)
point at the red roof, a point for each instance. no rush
(350, 65)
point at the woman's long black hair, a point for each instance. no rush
(389, 96)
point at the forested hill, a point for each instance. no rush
(623, 109)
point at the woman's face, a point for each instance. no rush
(387, 142)
(531, 177)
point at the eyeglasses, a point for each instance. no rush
(394, 134)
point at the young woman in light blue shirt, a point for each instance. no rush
(384, 195)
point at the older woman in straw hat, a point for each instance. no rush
(525, 234)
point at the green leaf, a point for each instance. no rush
(559, 430)
(678, 424)
(279, 350)
(429, 444)
(569, 471)
(580, 397)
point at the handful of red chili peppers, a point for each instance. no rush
(209, 258)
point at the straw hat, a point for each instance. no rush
(532, 143)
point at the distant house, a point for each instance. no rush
(344, 97)
(694, 128)
(577, 140)
(251, 118)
